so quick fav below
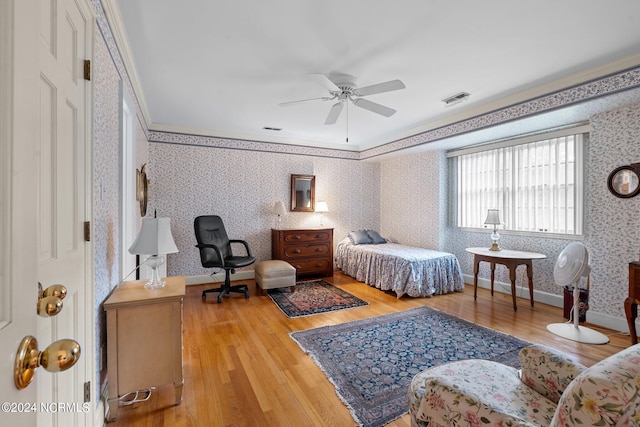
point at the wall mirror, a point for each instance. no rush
(624, 181)
(303, 193)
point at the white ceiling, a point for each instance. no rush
(222, 67)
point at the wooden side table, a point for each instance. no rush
(144, 339)
(508, 258)
(631, 302)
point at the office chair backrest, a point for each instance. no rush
(210, 230)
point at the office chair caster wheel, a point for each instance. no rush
(204, 296)
(219, 299)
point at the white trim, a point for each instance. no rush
(99, 419)
(128, 209)
(219, 277)
(572, 129)
(114, 17)
(595, 318)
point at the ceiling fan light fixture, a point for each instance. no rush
(456, 99)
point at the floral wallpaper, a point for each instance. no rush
(404, 197)
(243, 186)
(106, 203)
(414, 211)
(413, 208)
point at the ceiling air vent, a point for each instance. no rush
(455, 99)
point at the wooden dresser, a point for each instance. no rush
(310, 251)
(144, 339)
(631, 303)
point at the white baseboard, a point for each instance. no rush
(219, 277)
(595, 318)
(100, 414)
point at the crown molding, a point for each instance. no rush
(119, 33)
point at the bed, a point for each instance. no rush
(405, 270)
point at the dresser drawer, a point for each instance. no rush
(309, 250)
(296, 237)
(311, 266)
(299, 251)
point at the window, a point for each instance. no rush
(535, 183)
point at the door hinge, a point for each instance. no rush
(87, 391)
(87, 69)
(87, 231)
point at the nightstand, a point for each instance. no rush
(144, 339)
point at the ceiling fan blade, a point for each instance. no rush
(374, 107)
(379, 88)
(334, 113)
(324, 98)
(324, 81)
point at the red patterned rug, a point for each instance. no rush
(313, 297)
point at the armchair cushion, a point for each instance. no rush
(606, 394)
(473, 393)
(548, 371)
(481, 392)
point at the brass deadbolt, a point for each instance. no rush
(50, 300)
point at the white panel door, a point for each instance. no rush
(18, 134)
(44, 203)
(61, 200)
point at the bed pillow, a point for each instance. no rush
(360, 237)
(376, 237)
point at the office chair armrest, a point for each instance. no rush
(243, 242)
(215, 248)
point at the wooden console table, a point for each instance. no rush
(631, 303)
(508, 258)
(144, 339)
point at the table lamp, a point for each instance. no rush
(279, 209)
(322, 208)
(493, 218)
(154, 239)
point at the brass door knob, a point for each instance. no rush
(59, 356)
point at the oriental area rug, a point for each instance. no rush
(371, 362)
(314, 297)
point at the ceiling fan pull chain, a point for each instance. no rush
(347, 139)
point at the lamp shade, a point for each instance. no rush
(322, 207)
(279, 208)
(493, 217)
(154, 238)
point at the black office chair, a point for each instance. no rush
(215, 251)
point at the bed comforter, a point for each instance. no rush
(416, 272)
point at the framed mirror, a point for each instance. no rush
(624, 182)
(303, 193)
(142, 189)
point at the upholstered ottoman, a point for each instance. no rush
(274, 274)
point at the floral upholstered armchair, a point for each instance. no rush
(550, 389)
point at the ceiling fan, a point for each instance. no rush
(342, 88)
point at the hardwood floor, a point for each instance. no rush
(241, 367)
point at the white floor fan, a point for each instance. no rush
(571, 266)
